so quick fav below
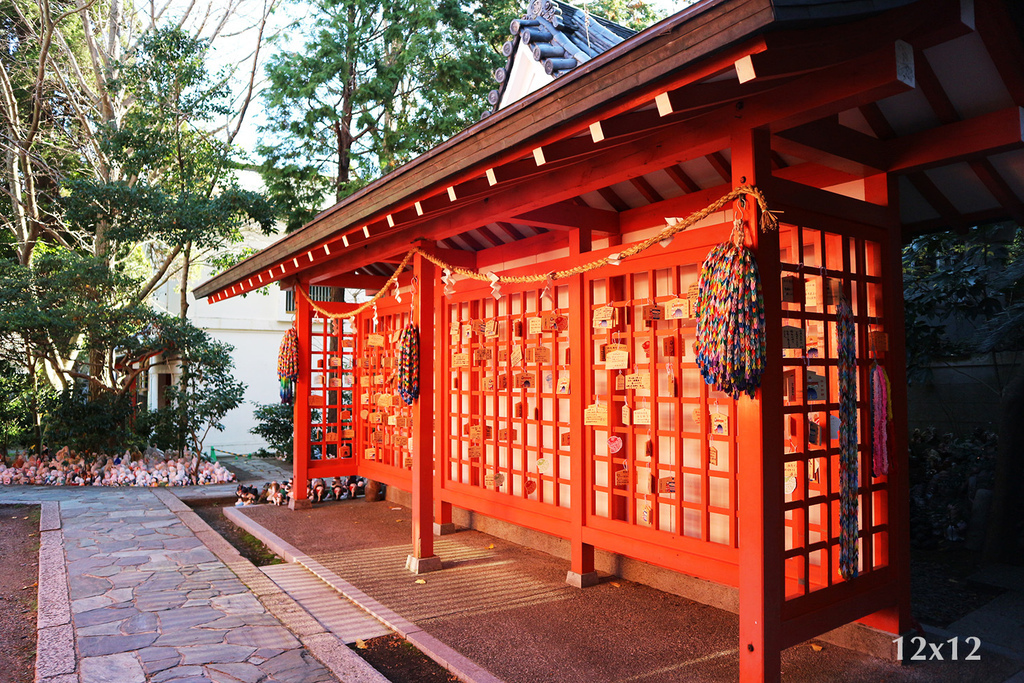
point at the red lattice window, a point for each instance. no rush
(817, 268)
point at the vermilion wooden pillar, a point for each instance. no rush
(300, 417)
(760, 443)
(442, 510)
(423, 558)
(581, 555)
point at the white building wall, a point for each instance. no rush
(254, 326)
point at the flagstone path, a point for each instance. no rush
(129, 592)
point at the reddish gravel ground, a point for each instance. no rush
(19, 548)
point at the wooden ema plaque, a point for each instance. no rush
(652, 312)
(604, 317)
(375, 340)
(508, 435)
(621, 478)
(720, 424)
(524, 380)
(534, 325)
(565, 440)
(793, 337)
(712, 456)
(481, 355)
(596, 414)
(693, 294)
(491, 329)
(538, 354)
(878, 341)
(815, 387)
(407, 462)
(334, 361)
(475, 452)
(792, 289)
(678, 309)
(617, 360)
(667, 485)
(460, 360)
(555, 322)
(642, 416)
(401, 441)
(639, 380)
(494, 481)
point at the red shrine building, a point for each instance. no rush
(550, 258)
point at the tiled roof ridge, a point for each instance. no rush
(561, 36)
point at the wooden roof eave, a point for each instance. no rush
(622, 78)
(652, 55)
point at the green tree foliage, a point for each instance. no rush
(965, 295)
(275, 426)
(634, 14)
(374, 84)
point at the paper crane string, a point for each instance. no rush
(730, 343)
(849, 530)
(409, 364)
(881, 414)
(288, 365)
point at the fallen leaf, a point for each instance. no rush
(616, 584)
(398, 508)
(421, 581)
(398, 520)
(490, 547)
(816, 647)
(360, 643)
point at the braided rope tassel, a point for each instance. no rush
(730, 342)
(288, 365)
(409, 364)
(849, 529)
(881, 410)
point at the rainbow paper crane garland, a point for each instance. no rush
(730, 343)
(848, 467)
(288, 365)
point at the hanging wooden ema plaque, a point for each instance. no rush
(720, 423)
(604, 317)
(678, 308)
(622, 477)
(596, 414)
(815, 387)
(617, 359)
(375, 340)
(638, 380)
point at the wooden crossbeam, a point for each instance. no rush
(829, 143)
(981, 136)
(566, 216)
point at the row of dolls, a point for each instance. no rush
(67, 468)
(318, 491)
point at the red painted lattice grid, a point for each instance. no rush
(818, 267)
(505, 419)
(330, 402)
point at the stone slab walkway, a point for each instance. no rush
(338, 615)
(135, 587)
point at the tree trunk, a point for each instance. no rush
(1003, 540)
(184, 281)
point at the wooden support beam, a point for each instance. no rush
(981, 136)
(654, 215)
(646, 190)
(815, 175)
(784, 192)
(422, 559)
(720, 164)
(829, 143)
(537, 244)
(679, 177)
(608, 194)
(760, 444)
(459, 257)
(999, 32)
(300, 415)
(349, 281)
(567, 216)
(489, 235)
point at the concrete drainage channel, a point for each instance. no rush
(308, 594)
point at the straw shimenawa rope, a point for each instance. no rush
(769, 221)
